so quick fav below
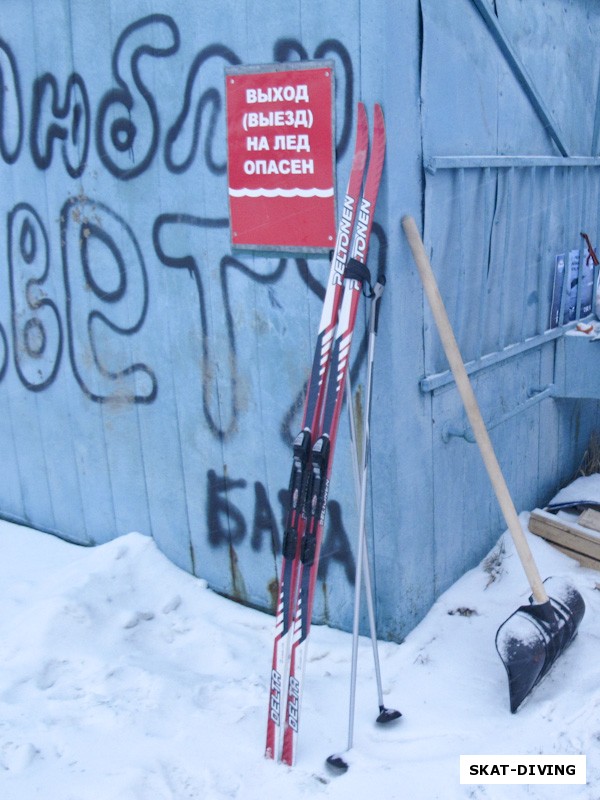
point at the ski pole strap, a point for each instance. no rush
(357, 271)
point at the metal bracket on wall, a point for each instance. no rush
(534, 396)
(431, 383)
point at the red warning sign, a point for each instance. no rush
(281, 157)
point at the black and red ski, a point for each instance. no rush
(317, 468)
(313, 409)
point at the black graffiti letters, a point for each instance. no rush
(220, 420)
(126, 124)
(37, 332)
(201, 113)
(104, 305)
(11, 107)
(170, 230)
(336, 546)
(104, 293)
(227, 524)
(127, 129)
(264, 525)
(71, 123)
(83, 279)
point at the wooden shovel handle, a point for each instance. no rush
(472, 408)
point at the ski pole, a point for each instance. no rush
(366, 564)
(358, 464)
(362, 563)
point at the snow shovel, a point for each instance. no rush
(530, 640)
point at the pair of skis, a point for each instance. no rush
(314, 446)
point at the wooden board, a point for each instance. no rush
(585, 561)
(590, 518)
(571, 538)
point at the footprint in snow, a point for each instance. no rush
(172, 604)
(131, 620)
(16, 757)
(51, 672)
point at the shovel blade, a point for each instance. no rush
(531, 640)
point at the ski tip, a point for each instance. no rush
(337, 764)
(362, 125)
(361, 117)
(378, 121)
(361, 146)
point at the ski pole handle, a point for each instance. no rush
(465, 389)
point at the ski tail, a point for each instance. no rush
(321, 458)
(315, 393)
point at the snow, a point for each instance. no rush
(124, 678)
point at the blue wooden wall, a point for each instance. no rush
(151, 379)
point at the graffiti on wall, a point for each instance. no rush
(63, 306)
